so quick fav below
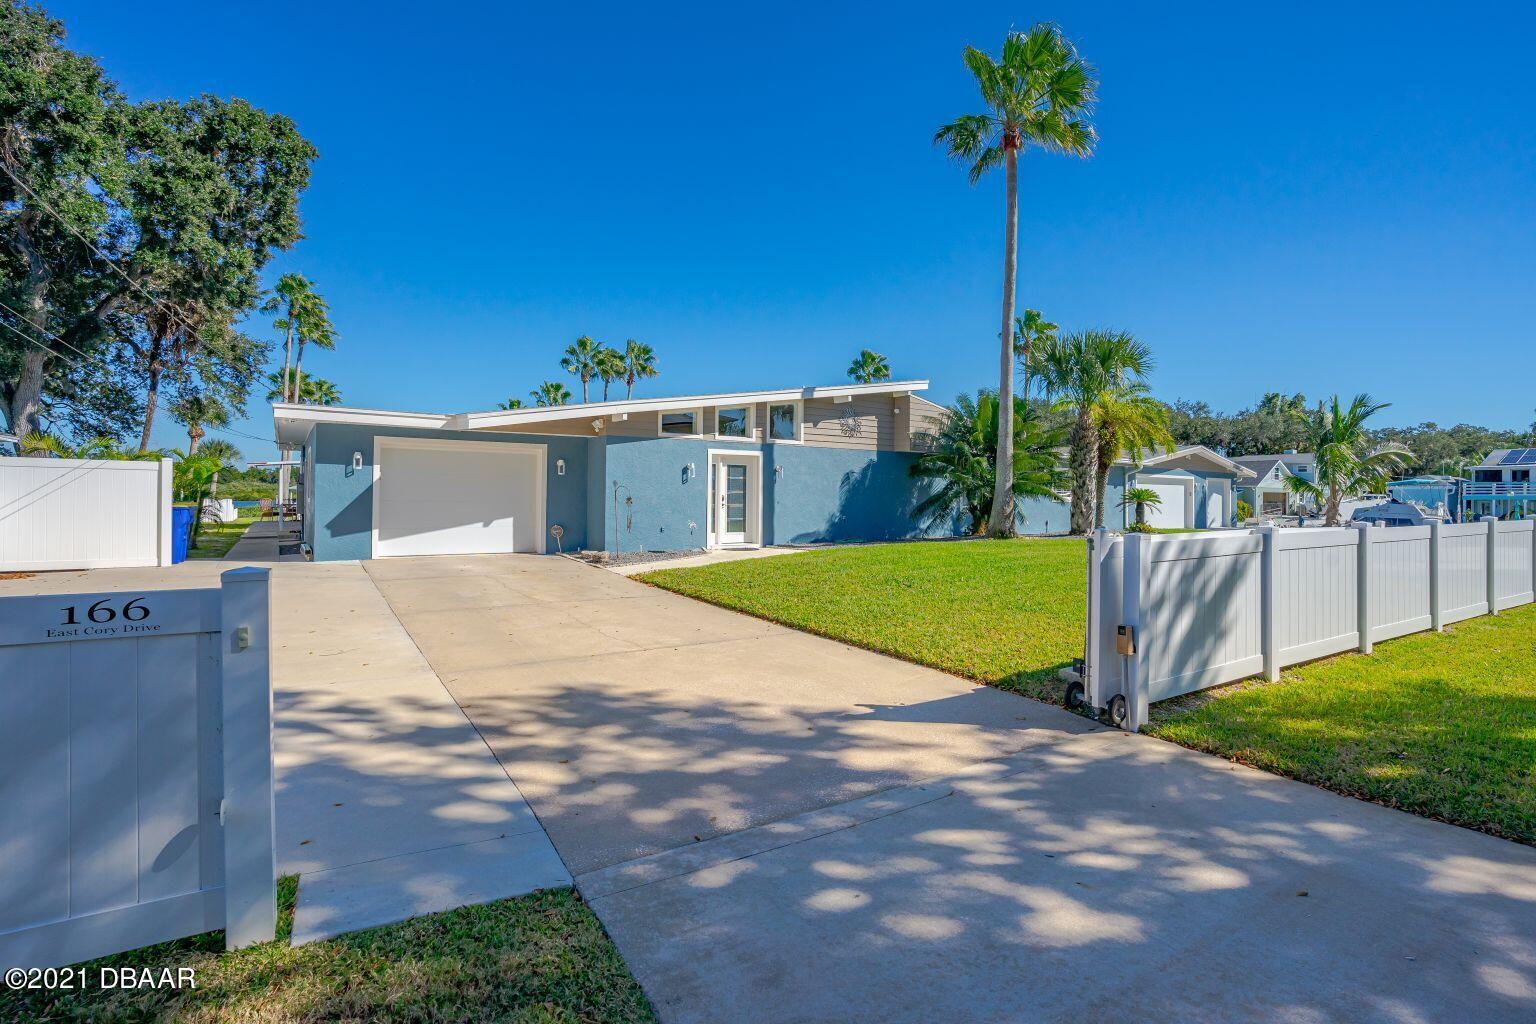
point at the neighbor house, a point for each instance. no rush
(1501, 485)
(1195, 484)
(739, 469)
(1267, 493)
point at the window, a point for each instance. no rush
(1487, 476)
(735, 422)
(784, 422)
(1520, 476)
(681, 424)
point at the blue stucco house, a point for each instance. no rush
(788, 466)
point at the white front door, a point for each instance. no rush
(734, 500)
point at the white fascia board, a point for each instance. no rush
(586, 410)
(291, 423)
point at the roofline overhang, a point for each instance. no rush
(291, 423)
(1242, 472)
(625, 407)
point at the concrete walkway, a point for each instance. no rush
(389, 804)
(776, 827)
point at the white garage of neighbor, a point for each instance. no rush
(456, 497)
(1176, 511)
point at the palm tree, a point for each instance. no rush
(1127, 421)
(313, 326)
(639, 363)
(962, 459)
(869, 367)
(319, 391)
(1077, 370)
(197, 413)
(226, 453)
(311, 390)
(36, 442)
(1031, 330)
(610, 367)
(1347, 462)
(1143, 498)
(292, 291)
(551, 392)
(510, 404)
(1038, 94)
(581, 359)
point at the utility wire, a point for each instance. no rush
(46, 332)
(90, 244)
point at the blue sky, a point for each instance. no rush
(1340, 199)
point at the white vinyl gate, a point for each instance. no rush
(84, 513)
(135, 770)
(1171, 614)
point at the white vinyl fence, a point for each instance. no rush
(1171, 614)
(84, 513)
(135, 770)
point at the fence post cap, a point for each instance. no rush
(245, 574)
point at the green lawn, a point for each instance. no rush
(215, 539)
(535, 959)
(1008, 613)
(1443, 725)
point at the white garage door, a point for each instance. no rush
(457, 498)
(1171, 513)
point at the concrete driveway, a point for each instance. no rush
(776, 827)
(637, 721)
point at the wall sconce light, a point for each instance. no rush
(560, 467)
(689, 472)
(778, 471)
(357, 460)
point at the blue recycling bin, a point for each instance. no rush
(181, 532)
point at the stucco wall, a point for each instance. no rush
(810, 494)
(343, 496)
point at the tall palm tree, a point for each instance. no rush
(869, 367)
(1127, 421)
(1030, 330)
(961, 460)
(291, 292)
(1347, 461)
(610, 367)
(313, 327)
(1039, 94)
(551, 392)
(581, 359)
(1077, 370)
(197, 413)
(639, 364)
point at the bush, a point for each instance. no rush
(1244, 511)
(1139, 528)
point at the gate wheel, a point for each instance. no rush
(1115, 712)
(1074, 695)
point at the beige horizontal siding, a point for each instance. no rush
(862, 422)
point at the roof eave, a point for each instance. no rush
(595, 410)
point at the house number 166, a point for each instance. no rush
(101, 611)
